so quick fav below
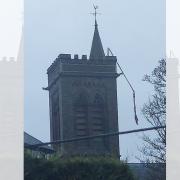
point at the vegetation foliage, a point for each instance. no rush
(154, 111)
(76, 168)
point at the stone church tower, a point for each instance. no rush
(173, 115)
(83, 100)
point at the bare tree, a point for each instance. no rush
(154, 111)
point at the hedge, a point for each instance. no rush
(76, 168)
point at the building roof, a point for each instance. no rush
(97, 52)
(141, 170)
(30, 140)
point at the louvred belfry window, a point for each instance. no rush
(97, 120)
(98, 115)
(55, 117)
(81, 115)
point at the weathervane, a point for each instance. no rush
(95, 13)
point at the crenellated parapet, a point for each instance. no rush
(10, 68)
(66, 65)
(6, 59)
(67, 59)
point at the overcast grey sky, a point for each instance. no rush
(133, 29)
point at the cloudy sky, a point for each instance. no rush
(133, 30)
(11, 17)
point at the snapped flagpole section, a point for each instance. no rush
(134, 94)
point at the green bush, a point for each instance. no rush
(76, 168)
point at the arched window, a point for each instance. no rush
(89, 119)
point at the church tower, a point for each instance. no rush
(83, 101)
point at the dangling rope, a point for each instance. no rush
(134, 97)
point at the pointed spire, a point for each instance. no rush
(97, 51)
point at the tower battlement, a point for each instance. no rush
(65, 57)
(10, 68)
(69, 59)
(8, 65)
(7, 59)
